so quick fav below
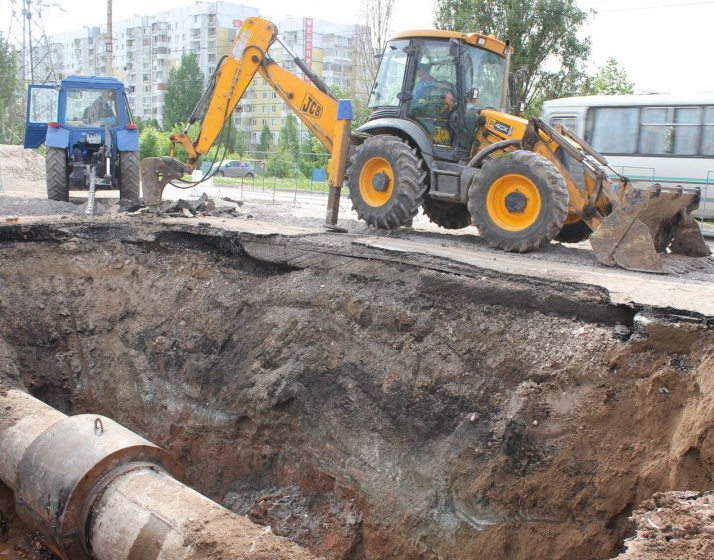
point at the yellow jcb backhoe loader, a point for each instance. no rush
(440, 137)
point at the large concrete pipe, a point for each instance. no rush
(93, 489)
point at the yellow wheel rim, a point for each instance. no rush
(513, 202)
(376, 181)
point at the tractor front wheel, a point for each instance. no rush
(520, 202)
(56, 174)
(129, 178)
(449, 215)
(386, 182)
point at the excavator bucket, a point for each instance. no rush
(156, 173)
(648, 227)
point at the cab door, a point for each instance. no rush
(42, 108)
(434, 100)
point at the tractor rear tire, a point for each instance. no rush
(520, 202)
(574, 232)
(56, 174)
(386, 182)
(129, 178)
(449, 215)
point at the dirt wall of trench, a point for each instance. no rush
(369, 419)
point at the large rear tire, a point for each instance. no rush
(129, 177)
(449, 215)
(386, 181)
(56, 174)
(520, 202)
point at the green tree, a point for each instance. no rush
(313, 155)
(184, 88)
(153, 143)
(610, 79)
(282, 162)
(288, 139)
(548, 53)
(266, 142)
(11, 116)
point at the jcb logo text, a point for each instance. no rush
(311, 107)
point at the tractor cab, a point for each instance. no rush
(85, 124)
(438, 81)
(77, 110)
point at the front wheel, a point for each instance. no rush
(520, 202)
(56, 174)
(449, 215)
(386, 182)
(129, 177)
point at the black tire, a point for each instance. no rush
(449, 215)
(248, 175)
(129, 178)
(56, 174)
(386, 182)
(520, 202)
(219, 174)
(574, 233)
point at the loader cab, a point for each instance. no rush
(435, 84)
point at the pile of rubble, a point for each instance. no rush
(203, 206)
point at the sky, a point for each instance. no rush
(663, 45)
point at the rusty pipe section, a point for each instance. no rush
(93, 489)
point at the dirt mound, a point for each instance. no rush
(21, 171)
(367, 408)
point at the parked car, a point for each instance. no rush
(235, 168)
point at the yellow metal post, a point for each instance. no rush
(337, 164)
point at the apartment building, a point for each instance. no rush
(146, 47)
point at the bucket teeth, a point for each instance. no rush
(647, 226)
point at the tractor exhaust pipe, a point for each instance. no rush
(92, 489)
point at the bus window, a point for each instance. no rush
(568, 121)
(670, 130)
(708, 132)
(613, 130)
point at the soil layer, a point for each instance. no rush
(367, 407)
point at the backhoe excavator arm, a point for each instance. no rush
(312, 102)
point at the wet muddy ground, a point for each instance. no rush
(364, 405)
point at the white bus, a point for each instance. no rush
(649, 138)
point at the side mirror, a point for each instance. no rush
(128, 90)
(456, 48)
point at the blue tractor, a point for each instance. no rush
(86, 125)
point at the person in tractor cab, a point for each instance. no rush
(101, 109)
(430, 97)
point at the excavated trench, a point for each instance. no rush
(366, 406)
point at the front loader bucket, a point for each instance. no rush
(646, 225)
(156, 173)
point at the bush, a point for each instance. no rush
(153, 143)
